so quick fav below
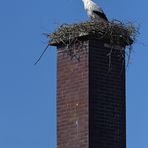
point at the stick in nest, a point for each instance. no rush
(41, 55)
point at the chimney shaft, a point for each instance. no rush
(90, 96)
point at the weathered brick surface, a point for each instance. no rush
(72, 100)
(106, 98)
(90, 98)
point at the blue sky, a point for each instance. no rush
(28, 92)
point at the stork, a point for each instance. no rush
(94, 11)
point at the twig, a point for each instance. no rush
(41, 55)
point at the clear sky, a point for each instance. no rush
(28, 92)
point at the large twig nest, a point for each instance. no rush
(114, 32)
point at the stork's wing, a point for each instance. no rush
(95, 7)
(102, 15)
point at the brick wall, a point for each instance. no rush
(106, 97)
(72, 100)
(90, 98)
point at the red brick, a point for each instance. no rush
(90, 98)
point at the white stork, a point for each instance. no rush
(94, 11)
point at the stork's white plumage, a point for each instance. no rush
(94, 11)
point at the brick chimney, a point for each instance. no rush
(90, 94)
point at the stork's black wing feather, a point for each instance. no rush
(102, 15)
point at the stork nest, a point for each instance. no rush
(114, 32)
